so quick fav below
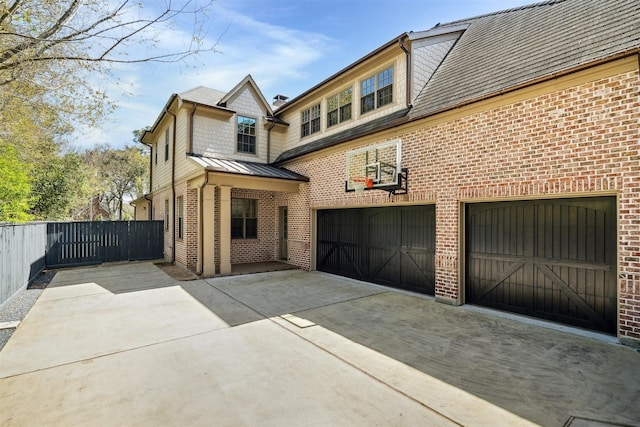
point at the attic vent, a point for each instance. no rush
(279, 100)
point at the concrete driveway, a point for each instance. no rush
(128, 345)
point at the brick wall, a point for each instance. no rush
(187, 246)
(262, 248)
(181, 243)
(580, 141)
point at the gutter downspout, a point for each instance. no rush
(146, 196)
(201, 225)
(273, 124)
(173, 188)
(408, 70)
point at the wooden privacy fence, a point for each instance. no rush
(84, 243)
(22, 249)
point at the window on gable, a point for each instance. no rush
(244, 218)
(166, 145)
(376, 91)
(310, 121)
(339, 107)
(246, 135)
(180, 215)
(155, 153)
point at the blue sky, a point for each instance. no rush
(287, 46)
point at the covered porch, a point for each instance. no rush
(219, 248)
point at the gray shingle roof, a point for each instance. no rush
(510, 48)
(240, 167)
(203, 95)
(388, 121)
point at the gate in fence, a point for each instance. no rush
(84, 243)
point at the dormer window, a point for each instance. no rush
(246, 135)
(339, 107)
(376, 91)
(310, 121)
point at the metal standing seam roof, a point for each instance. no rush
(240, 167)
(513, 47)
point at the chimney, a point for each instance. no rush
(279, 100)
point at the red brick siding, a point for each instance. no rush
(580, 141)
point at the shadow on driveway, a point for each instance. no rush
(543, 375)
(546, 376)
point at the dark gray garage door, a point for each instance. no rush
(553, 259)
(393, 246)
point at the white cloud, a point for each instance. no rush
(273, 55)
(277, 57)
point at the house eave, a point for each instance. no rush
(291, 103)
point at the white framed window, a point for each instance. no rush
(339, 107)
(376, 91)
(246, 142)
(180, 215)
(244, 219)
(310, 121)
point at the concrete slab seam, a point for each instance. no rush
(368, 374)
(373, 377)
(236, 300)
(99, 356)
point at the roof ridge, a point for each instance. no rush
(504, 11)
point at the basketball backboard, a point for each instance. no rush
(379, 163)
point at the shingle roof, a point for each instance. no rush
(510, 48)
(203, 95)
(386, 122)
(240, 167)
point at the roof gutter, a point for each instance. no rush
(173, 188)
(408, 85)
(201, 224)
(344, 70)
(271, 126)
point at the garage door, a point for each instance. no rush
(393, 246)
(553, 259)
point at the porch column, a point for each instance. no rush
(207, 223)
(225, 230)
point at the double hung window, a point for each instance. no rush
(339, 107)
(244, 218)
(376, 91)
(246, 135)
(310, 121)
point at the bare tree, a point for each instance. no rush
(48, 48)
(90, 31)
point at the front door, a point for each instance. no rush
(284, 232)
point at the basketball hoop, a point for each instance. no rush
(359, 183)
